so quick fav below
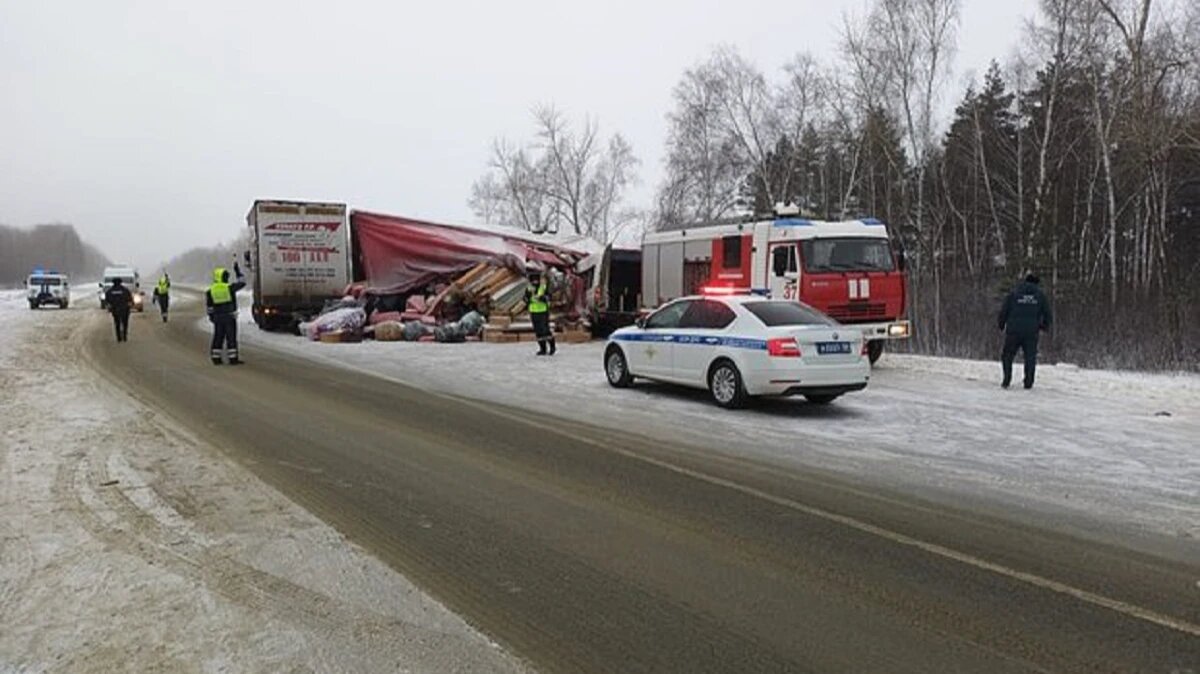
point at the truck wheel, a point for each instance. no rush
(33, 305)
(64, 305)
(824, 399)
(874, 350)
(616, 368)
(725, 385)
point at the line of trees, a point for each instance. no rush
(1080, 161)
(196, 265)
(56, 247)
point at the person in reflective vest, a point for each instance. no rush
(538, 300)
(162, 295)
(221, 301)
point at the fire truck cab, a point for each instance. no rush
(848, 270)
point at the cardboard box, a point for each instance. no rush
(493, 336)
(499, 320)
(341, 337)
(576, 336)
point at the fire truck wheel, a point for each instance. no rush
(725, 384)
(874, 350)
(617, 368)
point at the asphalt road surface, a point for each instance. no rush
(589, 549)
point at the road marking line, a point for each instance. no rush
(1124, 608)
(1116, 605)
(940, 550)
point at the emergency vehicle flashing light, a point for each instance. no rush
(719, 290)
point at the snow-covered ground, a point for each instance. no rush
(1112, 450)
(126, 545)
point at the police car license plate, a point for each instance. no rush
(830, 348)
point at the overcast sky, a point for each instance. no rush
(153, 125)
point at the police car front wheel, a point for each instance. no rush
(725, 384)
(617, 368)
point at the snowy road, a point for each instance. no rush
(567, 521)
(128, 545)
(607, 547)
(1110, 454)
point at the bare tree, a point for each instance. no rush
(910, 43)
(864, 91)
(800, 103)
(747, 113)
(718, 134)
(565, 180)
(700, 182)
(512, 192)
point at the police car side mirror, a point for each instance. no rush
(640, 322)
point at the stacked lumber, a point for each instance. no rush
(500, 289)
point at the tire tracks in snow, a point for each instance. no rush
(117, 505)
(16, 554)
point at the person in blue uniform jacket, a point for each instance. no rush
(1025, 313)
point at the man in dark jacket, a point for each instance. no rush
(119, 300)
(221, 301)
(1026, 311)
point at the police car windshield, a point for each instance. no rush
(777, 314)
(44, 281)
(847, 254)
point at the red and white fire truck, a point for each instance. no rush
(849, 270)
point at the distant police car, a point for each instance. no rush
(738, 346)
(42, 288)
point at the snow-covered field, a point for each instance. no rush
(125, 545)
(1107, 450)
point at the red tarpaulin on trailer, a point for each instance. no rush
(397, 255)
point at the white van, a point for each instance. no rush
(130, 279)
(42, 288)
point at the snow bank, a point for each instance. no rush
(1097, 445)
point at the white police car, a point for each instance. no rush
(738, 346)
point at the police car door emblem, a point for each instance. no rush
(650, 351)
